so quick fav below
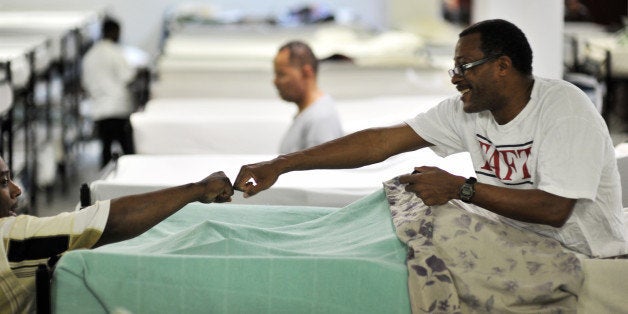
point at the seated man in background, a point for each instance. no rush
(317, 120)
(29, 241)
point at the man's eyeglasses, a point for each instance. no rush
(459, 70)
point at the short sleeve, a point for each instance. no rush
(443, 126)
(572, 143)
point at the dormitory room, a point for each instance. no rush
(314, 156)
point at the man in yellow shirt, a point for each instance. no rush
(29, 241)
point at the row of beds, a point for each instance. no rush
(40, 55)
(215, 111)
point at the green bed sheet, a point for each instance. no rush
(227, 258)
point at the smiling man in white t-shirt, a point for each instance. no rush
(542, 154)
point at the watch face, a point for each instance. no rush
(466, 192)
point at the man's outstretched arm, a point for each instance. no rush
(132, 215)
(354, 150)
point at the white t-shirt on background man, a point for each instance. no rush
(317, 124)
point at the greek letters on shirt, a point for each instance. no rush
(507, 163)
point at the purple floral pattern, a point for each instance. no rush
(461, 262)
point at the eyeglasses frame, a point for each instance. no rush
(459, 70)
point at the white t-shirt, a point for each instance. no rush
(317, 124)
(28, 241)
(558, 143)
(105, 76)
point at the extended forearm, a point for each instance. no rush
(535, 206)
(354, 150)
(345, 152)
(132, 215)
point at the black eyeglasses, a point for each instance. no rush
(459, 70)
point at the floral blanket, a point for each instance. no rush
(461, 262)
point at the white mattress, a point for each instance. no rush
(261, 45)
(244, 126)
(53, 24)
(46, 19)
(343, 81)
(38, 44)
(53, 37)
(335, 188)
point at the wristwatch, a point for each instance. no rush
(467, 190)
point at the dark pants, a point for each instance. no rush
(109, 130)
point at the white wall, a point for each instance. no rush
(540, 20)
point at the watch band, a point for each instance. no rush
(467, 190)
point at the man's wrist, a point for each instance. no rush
(279, 163)
(284, 164)
(467, 190)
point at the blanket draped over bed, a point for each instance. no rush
(234, 258)
(230, 258)
(461, 262)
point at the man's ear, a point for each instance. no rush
(307, 70)
(504, 64)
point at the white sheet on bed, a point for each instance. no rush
(192, 61)
(40, 19)
(335, 188)
(29, 43)
(241, 79)
(52, 23)
(246, 126)
(261, 44)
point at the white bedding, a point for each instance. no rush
(46, 19)
(262, 44)
(192, 79)
(192, 62)
(53, 24)
(335, 188)
(38, 44)
(246, 126)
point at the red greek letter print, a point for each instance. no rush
(508, 163)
